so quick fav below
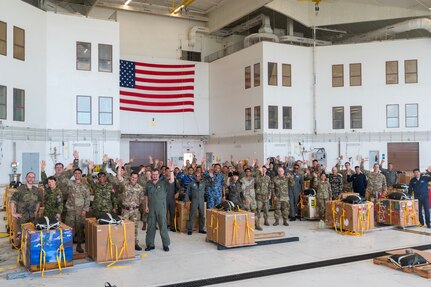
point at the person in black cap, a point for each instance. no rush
(234, 190)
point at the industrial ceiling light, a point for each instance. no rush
(127, 2)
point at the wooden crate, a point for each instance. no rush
(182, 215)
(398, 212)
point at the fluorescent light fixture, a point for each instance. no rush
(178, 9)
(127, 2)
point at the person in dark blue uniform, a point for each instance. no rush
(419, 187)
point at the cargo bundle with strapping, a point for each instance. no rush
(182, 215)
(397, 212)
(230, 228)
(352, 219)
(110, 243)
(46, 249)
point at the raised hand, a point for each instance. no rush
(76, 154)
(105, 158)
(131, 160)
(171, 165)
(42, 165)
(90, 166)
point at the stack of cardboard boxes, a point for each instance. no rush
(229, 228)
(183, 214)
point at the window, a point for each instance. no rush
(3, 38)
(411, 71)
(257, 75)
(105, 58)
(412, 116)
(273, 117)
(337, 118)
(337, 75)
(3, 102)
(356, 117)
(272, 74)
(105, 111)
(83, 56)
(392, 116)
(257, 118)
(287, 118)
(83, 110)
(286, 72)
(248, 119)
(355, 75)
(18, 43)
(18, 105)
(247, 76)
(391, 72)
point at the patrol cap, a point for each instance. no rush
(235, 173)
(101, 173)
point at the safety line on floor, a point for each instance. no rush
(286, 269)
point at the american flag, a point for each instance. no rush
(156, 88)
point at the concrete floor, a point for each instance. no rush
(191, 258)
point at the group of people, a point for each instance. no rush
(150, 193)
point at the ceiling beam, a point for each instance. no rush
(151, 9)
(231, 11)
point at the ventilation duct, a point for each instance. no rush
(383, 33)
(303, 41)
(192, 34)
(265, 32)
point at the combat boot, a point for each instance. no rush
(257, 226)
(79, 248)
(266, 223)
(144, 226)
(277, 222)
(285, 223)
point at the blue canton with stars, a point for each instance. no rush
(127, 74)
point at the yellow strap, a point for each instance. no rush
(175, 221)
(390, 212)
(61, 254)
(333, 216)
(215, 230)
(235, 230)
(124, 247)
(42, 256)
(248, 228)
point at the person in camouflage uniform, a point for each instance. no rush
(25, 203)
(53, 201)
(234, 190)
(376, 187)
(105, 200)
(77, 205)
(62, 176)
(390, 174)
(281, 184)
(249, 202)
(132, 195)
(336, 182)
(263, 194)
(347, 186)
(323, 193)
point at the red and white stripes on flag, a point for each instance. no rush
(156, 88)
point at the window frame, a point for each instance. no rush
(274, 120)
(388, 82)
(272, 77)
(407, 117)
(111, 112)
(256, 67)
(352, 76)
(78, 111)
(335, 77)
(77, 58)
(4, 40)
(406, 74)
(99, 58)
(352, 118)
(287, 113)
(334, 120)
(5, 102)
(257, 118)
(287, 77)
(388, 117)
(247, 77)
(247, 119)
(18, 45)
(16, 107)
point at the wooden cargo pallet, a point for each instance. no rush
(423, 271)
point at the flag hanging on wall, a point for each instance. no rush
(156, 88)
